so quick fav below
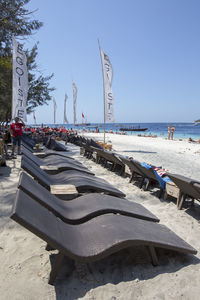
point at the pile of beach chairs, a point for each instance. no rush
(82, 216)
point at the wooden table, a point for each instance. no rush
(172, 190)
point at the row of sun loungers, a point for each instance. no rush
(80, 180)
(92, 225)
(145, 173)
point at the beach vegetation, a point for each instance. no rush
(16, 20)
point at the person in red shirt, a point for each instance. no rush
(16, 133)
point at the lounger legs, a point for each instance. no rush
(55, 269)
(153, 255)
(146, 184)
(122, 171)
(180, 201)
(132, 176)
(160, 193)
(49, 247)
(142, 182)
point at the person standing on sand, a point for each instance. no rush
(172, 131)
(16, 133)
(169, 132)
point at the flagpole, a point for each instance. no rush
(104, 135)
(12, 77)
(64, 111)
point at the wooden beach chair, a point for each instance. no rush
(87, 150)
(188, 188)
(84, 207)
(148, 175)
(81, 181)
(95, 239)
(135, 172)
(104, 157)
(151, 175)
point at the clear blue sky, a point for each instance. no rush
(154, 48)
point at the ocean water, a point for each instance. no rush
(183, 130)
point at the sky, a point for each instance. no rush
(154, 48)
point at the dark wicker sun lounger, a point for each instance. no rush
(54, 145)
(188, 188)
(26, 139)
(56, 164)
(44, 152)
(83, 182)
(47, 160)
(50, 143)
(95, 239)
(84, 207)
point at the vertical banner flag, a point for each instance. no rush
(65, 116)
(108, 93)
(74, 98)
(54, 106)
(20, 82)
(34, 117)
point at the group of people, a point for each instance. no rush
(171, 131)
(13, 134)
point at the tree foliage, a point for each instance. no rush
(5, 88)
(16, 20)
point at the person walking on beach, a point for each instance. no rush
(16, 133)
(169, 132)
(172, 131)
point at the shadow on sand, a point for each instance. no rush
(124, 266)
(4, 172)
(137, 151)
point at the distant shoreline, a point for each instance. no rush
(183, 130)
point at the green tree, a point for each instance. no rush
(5, 88)
(16, 20)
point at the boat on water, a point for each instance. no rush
(83, 124)
(132, 129)
(197, 122)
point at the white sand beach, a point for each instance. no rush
(127, 275)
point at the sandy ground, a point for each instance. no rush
(25, 264)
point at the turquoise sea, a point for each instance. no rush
(183, 130)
